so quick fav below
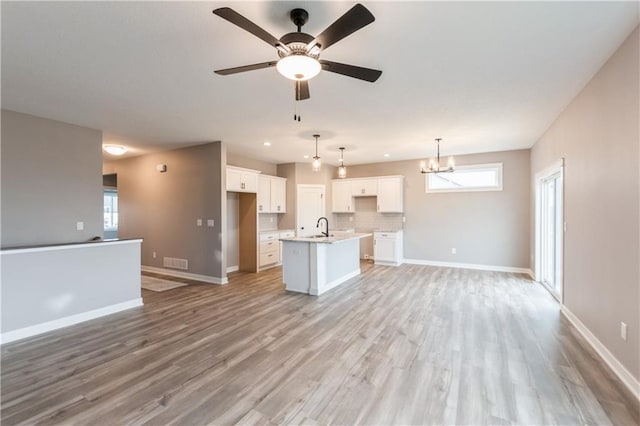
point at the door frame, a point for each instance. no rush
(307, 186)
(540, 177)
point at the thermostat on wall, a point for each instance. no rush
(161, 168)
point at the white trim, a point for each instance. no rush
(526, 271)
(232, 268)
(623, 374)
(187, 275)
(555, 167)
(93, 244)
(23, 333)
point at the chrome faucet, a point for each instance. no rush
(326, 234)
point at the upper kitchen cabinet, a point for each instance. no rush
(272, 194)
(341, 198)
(390, 194)
(364, 187)
(242, 180)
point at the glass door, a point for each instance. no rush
(550, 232)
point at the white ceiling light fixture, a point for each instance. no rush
(298, 67)
(316, 163)
(267, 143)
(434, 166)
(342, 169)
(115, 149)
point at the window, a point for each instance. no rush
(110, 210)
(480, 177)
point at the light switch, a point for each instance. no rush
(199, 222)
(210, 223)
(80, 226)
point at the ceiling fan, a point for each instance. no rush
(300, 52)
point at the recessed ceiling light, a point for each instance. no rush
(267, 144)
(386, 155)
(115, 149)
(306, 156)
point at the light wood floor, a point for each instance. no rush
(407, 345)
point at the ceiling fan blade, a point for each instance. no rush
(302, 90)
(354, 19)
(239, 20)
(361, 73)
(244, 68)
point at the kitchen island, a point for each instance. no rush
(315, 265)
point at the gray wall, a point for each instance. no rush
(51, 179)
(598, 136)
(163, 208)
(250, 163)
(487, 228)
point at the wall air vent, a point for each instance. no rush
(175, 263)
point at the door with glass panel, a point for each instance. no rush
(550, 232)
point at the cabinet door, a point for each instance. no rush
(234, 180)
(264, 194)
(390, 198)
(278, 195)
(384, 249)
(341, 200)
(250, 182)
(364, 187)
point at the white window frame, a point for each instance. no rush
(497, 187)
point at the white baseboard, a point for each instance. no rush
(331, 284)
(187, 275)
(232, 268)
(623, 374)
(470, 266)
(44, 327)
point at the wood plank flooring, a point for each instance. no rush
(406, 345)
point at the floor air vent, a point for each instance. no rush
(175, 263)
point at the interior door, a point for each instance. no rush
(310, 207)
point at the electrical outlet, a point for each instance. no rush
(623, 330)
(271, 219)
(404, 219)
(154, 254)
(454, 251)
(350, 218)
(199, 222)
(79, 226)
(366, 257)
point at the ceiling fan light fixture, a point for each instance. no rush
(298, 67)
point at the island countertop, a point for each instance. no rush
(331, 239)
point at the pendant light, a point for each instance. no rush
(342, 170)
(434, 166)
(315, 164)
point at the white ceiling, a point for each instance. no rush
(483, 76)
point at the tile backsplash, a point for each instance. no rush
(267, 221)
(366, 218)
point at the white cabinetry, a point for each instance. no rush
(341, 198)
(387, 189)
(272, 194)
(390, 194)
(387, 248)
(364, 187)
(242, 180)
(269, 249)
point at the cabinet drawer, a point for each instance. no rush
(269, 237)
(288, 234)
(269, 258)
(388, 235)
(269, 246)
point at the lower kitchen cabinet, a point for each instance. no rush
(270, 249)
(387, 248)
